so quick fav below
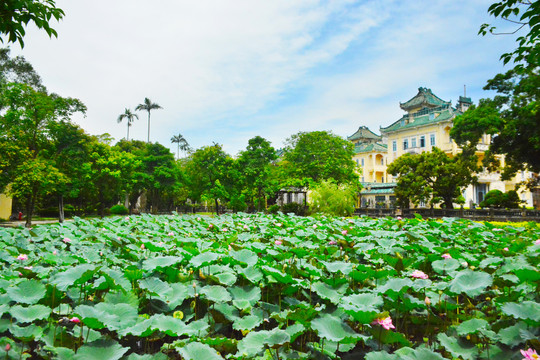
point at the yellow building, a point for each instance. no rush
(426, 124)
(5, 207)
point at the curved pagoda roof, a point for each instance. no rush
(424, 98)
(363, 133)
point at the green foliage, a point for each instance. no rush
(16, 14)
(293, 208)
(118, 210)
(498, 199)
(432, 177)
(273, 209)
(320, 155)
(332, 199)
(255, 286)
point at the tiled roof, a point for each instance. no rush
(378, 188)
(430, 118)
(425, 97)
(362, 148)
(363, 133)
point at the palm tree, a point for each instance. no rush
(130, 117)
(148, 106)
(181, 142)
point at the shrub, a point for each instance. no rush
(330, 198)
(119, 210)
(273, 209)
(293, 207)
(498, 199)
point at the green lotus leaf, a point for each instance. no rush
(278, 275)
(472, 283)
(471, 326)
(381, 355)
(244, 256)
(155, 286)
(216, 293)
(198, 351)
(333, 328)
(155, 356)
(90, 316)
(230, 312)
(61, 353)
(277, 337)
(27, 292)
(176, 294)
(251, 273)
(248, 322)
(160, 261)
(395, 284)
(26, 333)
(252, 344)
(527, 310)
(100, 350)
(341, 266)
(295, 330)
(421, 353)
(245, 297)
(197, 328)
(30, 313)
(226, 278)
(117, 316)
(73, 276)
(445, 265)
(122, 297)
(511, 335)
(118, 278)
(458, 348)
(204, 259)
(169, 325)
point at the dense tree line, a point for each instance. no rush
(50, 162)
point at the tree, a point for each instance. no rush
(525, 14)
(255, 166)
(17, 70)
(512, 117)
(207, 173)
(16, 14)
(26, 132)
(148, 105)
(331, 199)
(181, 142)
(320, 155)
(130, 117)
(498, 199)
(432, 177)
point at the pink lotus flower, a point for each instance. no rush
(211, 226)
(351, 221)
(279, 224)
(314, 226)
(28, 267)
(427, 301)
(446, 256)
(399, 218)
(127, 218)
(55, 252)
(224, 229)
(537, 242)
(278, 242)
(505, 249)
(344, 232)
(22, 257)
(170, 234)
(530, 354)
(142, 247)
(332, 242)
(230, 248)
(385, 323)
(198, 219)
(418, 274)
(246, 227)
(8, 347)
(75, 320)
(67, 240)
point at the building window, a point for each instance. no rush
(432, 139)
(481, 190)
(382, 161)
(362, 161)
(405, 144)
(356, 162)
(413, 142)
(422, 141)
(394, 145)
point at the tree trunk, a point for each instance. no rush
(61, 208)
(217, 206)
(148, 127)
(448, 203)
(30, 202)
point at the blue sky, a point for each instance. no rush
(226, 71)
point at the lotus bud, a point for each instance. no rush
(8, 347)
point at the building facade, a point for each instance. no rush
(425, 125)
(5, 206)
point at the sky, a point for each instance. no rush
(227, 71)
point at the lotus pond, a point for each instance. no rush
(269, 287)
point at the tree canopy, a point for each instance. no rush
(320, 155)
(16, 14)
(432, 177)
